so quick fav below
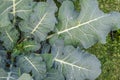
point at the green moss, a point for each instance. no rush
(109, 5)
(77, 5)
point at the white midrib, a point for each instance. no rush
(72, 65)
(11, 7)
(18, 11)
(38, 23)
(7, 78)
(32, 64)
(29, 46)
(14, 11)
(9, 36)
(77, 26)
(9, 74)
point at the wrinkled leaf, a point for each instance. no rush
(30, 46)
(24, 8)
(11, 75)
(3, 55)
(5, 6)
(41, 21)
(3, 74)
(75, 63)
(13, 7)
(21, 8)
(64, 0)
(9, 35)
(48, 58)
(54, 75)
(45, 47)
(89, 26)
(32, 64)
(25, 76)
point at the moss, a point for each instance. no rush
(109, 5)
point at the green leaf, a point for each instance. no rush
(89, 26)
(5, 6)
(75, 64)
(21, 8)
(45, 47)
(32, 64)
(41, 21)
(9, 35)
(30, 46)
(48, 58)
(3, 74)
(11, 75)
(64, 0)
(3, 59)
(24, 8)
(25, 76)
(54, 74)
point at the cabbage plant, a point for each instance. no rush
(43, 41)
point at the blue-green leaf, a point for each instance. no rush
(30, 46)
(3, 58)
(13, 74)
(48, 58)
(5, 6)
(9, 35)
(25, 76)
(54, 74)
(32, 63)
(41, 21)
(74, 63)
(24, 8)
(89, 26)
